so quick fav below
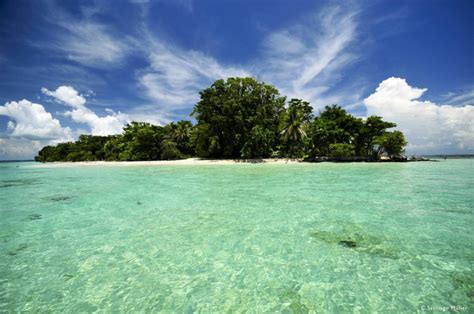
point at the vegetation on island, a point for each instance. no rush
(241, 118)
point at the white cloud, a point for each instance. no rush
(67, 95)
(430, 128)
(110, 124)
(171, 81)
(90, 44)
(464, 97)
(305, 60)
(302, 61)
(175, 77)
(84, 40)
(32, 121)
(19, 148)
(30, 128)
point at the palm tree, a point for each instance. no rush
(182, 131)
(181, 134)
(293, 129)
(294, 126)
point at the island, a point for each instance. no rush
(244, 119)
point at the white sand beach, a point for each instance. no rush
(182, 162)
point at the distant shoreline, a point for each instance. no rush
(198, 161)
(453, 156)
(183, 162)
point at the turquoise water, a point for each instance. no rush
(335, 238)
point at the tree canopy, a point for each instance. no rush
(241, 118)
(294, 125)
(139, 141)
(237, 118)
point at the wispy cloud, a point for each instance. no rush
(306, 59)
(462, 97)
(174, 76)
(171, 81)
(91, 44)
(84, 39)
(145, 4)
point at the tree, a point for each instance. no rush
(114, 146)
(88, 148)
(240, 118)
(343, 126)
(141, 141)
(230, 112)
(371, 128)
(169, 150)
(391, 143)
(259, 143)
(294, 124)
(182, 136)
(334, 125)
(341, 150)
(47, 154)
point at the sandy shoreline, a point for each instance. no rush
(183, 162)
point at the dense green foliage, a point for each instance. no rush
(139, 141)
(294, 128)
(361, 137)
(238, 118)
(341, 150)
(241, 118)
(391, 143)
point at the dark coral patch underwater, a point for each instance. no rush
(17, 182)
(20, 248)
(35, 217)
(59, 198)
(354, 237)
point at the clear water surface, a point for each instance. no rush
(335, 238)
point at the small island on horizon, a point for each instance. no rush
(243, 119)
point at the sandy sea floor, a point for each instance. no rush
(263, 237)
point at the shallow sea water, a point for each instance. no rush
(326, 238)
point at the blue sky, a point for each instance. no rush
(71, 67)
